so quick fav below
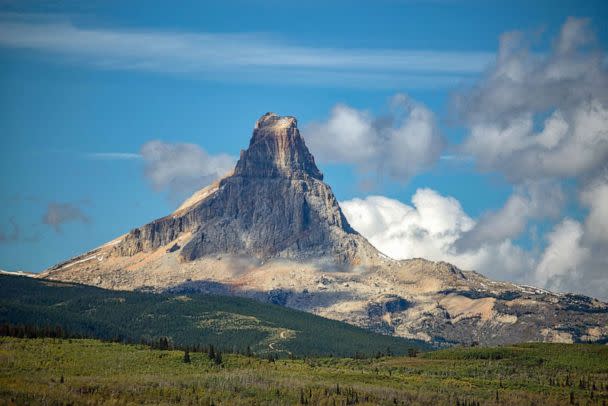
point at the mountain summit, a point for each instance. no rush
(277, 150)
(273, 205)
(273, 230)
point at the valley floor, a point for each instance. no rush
(60, 371)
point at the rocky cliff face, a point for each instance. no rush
(273, 230)
(275, 204)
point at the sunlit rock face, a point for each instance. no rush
(276, 149)
(273, 230)
(274, 205)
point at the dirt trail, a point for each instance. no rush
(282, 335)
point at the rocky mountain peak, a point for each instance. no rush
(274, 205)
(274, 120)
(277, 149)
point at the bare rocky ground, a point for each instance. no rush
(273, 230)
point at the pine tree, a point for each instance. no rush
(163, 343)
(218, 358)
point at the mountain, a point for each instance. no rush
(273, 230)
(274, 205)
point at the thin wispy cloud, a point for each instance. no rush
(243, 56)
(113, 156)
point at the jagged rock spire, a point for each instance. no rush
(275, 204)
(276, 149)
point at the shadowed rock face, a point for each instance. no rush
(275, 204)
(272, 230)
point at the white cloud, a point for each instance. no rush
(595, 197)
(345, 137)
(540, 119)
(182, 168)
(430, 229)
(400, 144)
(573, 260)
(506, 107)
(529, 201)
(575, 257)
(563, 257)
(113, 156)
(242, 57)
(571, 144)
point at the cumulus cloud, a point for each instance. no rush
(540, 115)
(576, 251)
(432, 227)
(539, 119)
(58, 214)
(563, 256)
(182, 168)
(575, 256)
(400, 144)
(529, 201)
(426, 229)
(595, 197)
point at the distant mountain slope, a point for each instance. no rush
(226, 322)
(273, 230)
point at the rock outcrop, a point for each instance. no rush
(275, 204)
(273, 230)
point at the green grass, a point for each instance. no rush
(98, 372)
(556, 357)
(230, 323)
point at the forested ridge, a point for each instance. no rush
(42, 308)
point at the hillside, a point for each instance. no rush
(91, 372)
(229, 323)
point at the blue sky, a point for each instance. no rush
(78, 81)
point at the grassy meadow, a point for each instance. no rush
(82, 371)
